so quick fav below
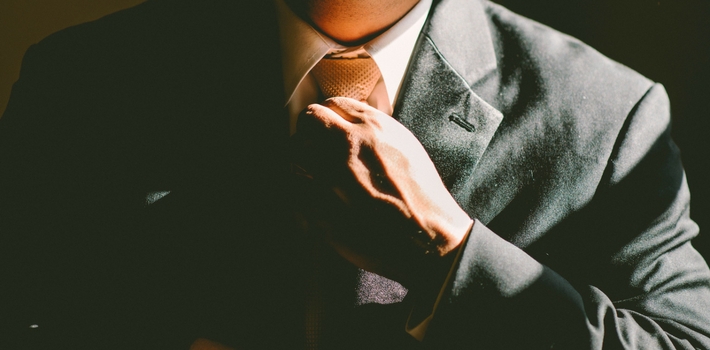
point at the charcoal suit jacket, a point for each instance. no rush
(144, 189)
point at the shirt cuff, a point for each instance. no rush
(417, 329)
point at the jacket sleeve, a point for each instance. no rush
(622, 273)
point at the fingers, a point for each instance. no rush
(328, 117)
(349, 109)
(353, 111)
(320, 145)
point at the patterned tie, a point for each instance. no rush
(347, 77)
(355, 78)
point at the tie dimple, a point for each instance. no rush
(347, 77)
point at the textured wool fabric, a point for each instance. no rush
(375, 289)
(346, 77)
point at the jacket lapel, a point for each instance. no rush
(436, 102)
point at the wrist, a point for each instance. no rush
(450, 233)
(457, 235)
(439, 263)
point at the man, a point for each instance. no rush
(525, 188)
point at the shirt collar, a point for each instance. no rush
(303, 46)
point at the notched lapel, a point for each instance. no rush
(453, 124)
(459, 28)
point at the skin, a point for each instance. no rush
(352, 22)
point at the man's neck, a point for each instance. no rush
(351, 22)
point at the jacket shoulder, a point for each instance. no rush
(568, 73)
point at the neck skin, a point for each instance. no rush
(351, 22)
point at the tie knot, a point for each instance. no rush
(347, 77)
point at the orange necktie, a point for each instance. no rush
(347, 77)
(354, 78)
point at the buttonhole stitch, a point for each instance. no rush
(462, 122)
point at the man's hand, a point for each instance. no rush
(395, 215)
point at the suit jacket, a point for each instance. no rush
(144, 190)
